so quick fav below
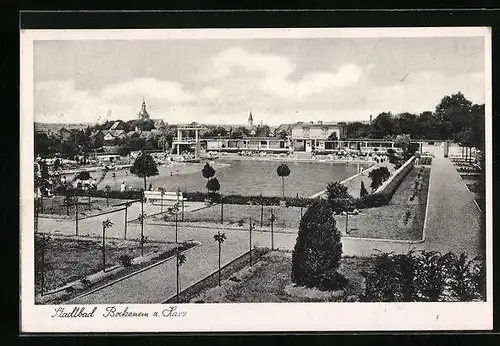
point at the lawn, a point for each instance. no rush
(235, 214)
(267, 280)
(56, 205)
(70, 258)
(401, 219)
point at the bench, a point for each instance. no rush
(156, 196)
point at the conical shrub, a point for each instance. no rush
(318, 250)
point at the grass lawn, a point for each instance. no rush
(266, 281)
(401, 219)
(69, 258)
(55, 205)
(234, 214)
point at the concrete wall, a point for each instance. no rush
(391, 184)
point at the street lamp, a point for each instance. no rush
(218, 142)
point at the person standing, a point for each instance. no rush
(122, 187)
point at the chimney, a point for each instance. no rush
(370, 118)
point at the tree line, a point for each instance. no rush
(455, 118)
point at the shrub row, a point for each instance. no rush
(425, 160)
(131, 194)
(252, 200)
(425, 277)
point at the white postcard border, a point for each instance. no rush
(243, 317)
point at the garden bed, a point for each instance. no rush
(401, 219)
(56, 206)
(268, 281)
(239, 215)
(68, 259)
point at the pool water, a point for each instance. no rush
(240, 177)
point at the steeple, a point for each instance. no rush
(143, 114)
(250, 119)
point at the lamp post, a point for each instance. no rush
(218, 142)
(272, 229)
(76, 216)
(142, 223)
(250, 241)
(105, 224)
(221, 209)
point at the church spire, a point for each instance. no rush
(143, 114)
(250, 119)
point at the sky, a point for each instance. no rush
(280, 80)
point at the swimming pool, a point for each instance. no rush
(240, 177)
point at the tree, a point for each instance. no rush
(173, 210)
(378, 176)
(318, 250)
(262, 131)
(356, 130)
(219, 238)
(333, 136)
(452, 114)
(144, 166)
(383, 125)
(162, 191)
(336, 190)
(213, 185)
(431, 276)
(283, 171)
(41, 242)
(84, 175)
(282, 134)
(402, 141)
(108, 189)
(363, 192)
(68, 198)
(180, 260)
(83, 143)
(208, 171)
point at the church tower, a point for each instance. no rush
(143, 114)
(250, 120)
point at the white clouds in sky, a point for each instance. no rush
(237, 80)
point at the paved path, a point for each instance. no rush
(453, 222)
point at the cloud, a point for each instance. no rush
(236, 57)
(424, 90)
(150, 88)
(271, 74)
(237, 80)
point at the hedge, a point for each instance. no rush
(131, 194)
(425, 160)
(241, 199)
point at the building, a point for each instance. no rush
(261, 144)
(310, 136)
(188, 138)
